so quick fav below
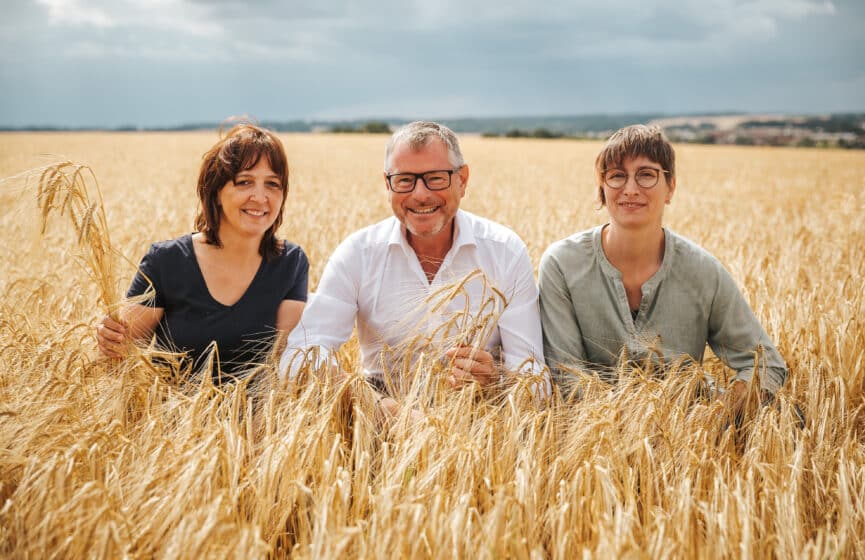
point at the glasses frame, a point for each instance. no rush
(628, 177)
(422, 177)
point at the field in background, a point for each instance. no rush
(106, 459)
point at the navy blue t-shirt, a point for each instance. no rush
(193, 319)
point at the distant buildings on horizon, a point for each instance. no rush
(844, 130)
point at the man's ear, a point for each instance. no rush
(463, 172)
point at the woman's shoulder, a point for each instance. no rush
(291, 254)
(289, 248)
(177, 248)
(693, 259)
(579, 245)
(289, 267)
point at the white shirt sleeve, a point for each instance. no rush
(328, 317)
(520, 323)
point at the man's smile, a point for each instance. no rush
(424, 210)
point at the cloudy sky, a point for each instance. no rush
(168, 62)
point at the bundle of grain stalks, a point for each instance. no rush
(110, 459)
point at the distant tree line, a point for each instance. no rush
(518, 133)
(369, 127)
(842, 130)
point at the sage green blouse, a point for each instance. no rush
(689, 302)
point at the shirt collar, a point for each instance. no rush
(612, 271)
(463, 233)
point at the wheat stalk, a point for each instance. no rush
(101, 462)
(63, 188)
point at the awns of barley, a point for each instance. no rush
(71, 190)
(100, 463)
(63, 189)
(652, 466)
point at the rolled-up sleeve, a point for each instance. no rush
(738, 338)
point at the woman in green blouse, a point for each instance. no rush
(631, 288)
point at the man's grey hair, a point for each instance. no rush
(418, 134)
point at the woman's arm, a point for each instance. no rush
(287, 317)
(329, 320)
(137, 322)
(563, 338)
(738, 338)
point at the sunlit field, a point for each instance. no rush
(119, 459)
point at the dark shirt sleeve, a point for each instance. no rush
(149, 272)
(297, 266)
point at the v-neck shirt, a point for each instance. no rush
(194, 320)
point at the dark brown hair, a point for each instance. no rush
(635, 141)
(241, 148)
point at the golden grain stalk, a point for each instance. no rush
(63, 188)
(649, 467)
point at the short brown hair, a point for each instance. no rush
(241, 148)
(634, 141)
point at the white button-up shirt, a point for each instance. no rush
(374, 278)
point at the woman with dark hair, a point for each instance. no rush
(231, 286)
(632, 289)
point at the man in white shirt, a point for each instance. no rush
(388, 278)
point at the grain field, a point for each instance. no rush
(115, 459)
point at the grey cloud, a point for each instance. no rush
(316, 31)
(195, 60)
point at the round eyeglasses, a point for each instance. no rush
(437, 180)
(646, 177)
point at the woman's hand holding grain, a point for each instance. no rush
(470, 364)
(111, 337)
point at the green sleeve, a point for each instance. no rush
(563, 340)
(738, 338)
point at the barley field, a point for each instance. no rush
(116, 459)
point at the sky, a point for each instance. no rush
(108, 63)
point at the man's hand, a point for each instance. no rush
(470, 365)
